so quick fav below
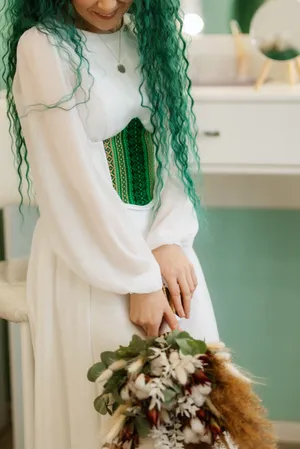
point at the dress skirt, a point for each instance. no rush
(71, 324)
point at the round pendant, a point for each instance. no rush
(121, 68)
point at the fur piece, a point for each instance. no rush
(240, 408)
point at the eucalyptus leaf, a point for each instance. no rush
(177, 388)
(169, 394)
(191, 346)
(95, 371)
(108, 358)
(200, 347)
(138, 344)
(142, 426)
(184, 345)
(184, 335)
(117, 397)
(100, 405)
(137, 347)
(116, 381)
(171, 337)
(115, 406)
(126, 352)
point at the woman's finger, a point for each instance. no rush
(194, 276)
(186, 295)
(174, 290)
(152, 330)
(190, 281)
(170, 318)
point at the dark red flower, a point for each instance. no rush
(200, 377)
(153, 416)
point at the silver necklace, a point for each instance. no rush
(121, 68)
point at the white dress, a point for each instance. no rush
(90, 248)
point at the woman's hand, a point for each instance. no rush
(149, 310)
(179, 275)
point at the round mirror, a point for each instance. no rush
(275, 29)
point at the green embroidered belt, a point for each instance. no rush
(130, 157)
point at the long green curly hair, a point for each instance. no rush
(164, 69)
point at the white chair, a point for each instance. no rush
(13, 302)
(13, 308)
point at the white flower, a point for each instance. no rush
(117, 365)
(160, 365)
(125, 393)
(141, 389)
(174, 359)
(197, 426)
(181, 374)
(190, 436)
(205, 390)
(140, 381)
(106, 375)
(135, 366)
(197, 396)
(187, 407)
(164, 416)
(157, 395)
(183, 365)
(207, 438)
(189, 363)
(157, 387)
(168, 436)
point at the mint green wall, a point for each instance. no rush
(217, 14)
(251, 259)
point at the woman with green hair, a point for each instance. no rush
(100, 108)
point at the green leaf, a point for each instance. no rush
(170, 394)
(177, 388)
(184, 345)
(138, 344)
(189, 346)
(200, 347)
(171, 337)
(125, 352)
(101, 404)
(115, 406)
(108, 358)
(116, 381)
(184, 335)
(117, 397)
(142, 426)
(95, 371)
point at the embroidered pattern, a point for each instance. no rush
(130, 157)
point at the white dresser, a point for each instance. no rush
(250, 145)
(244, 131)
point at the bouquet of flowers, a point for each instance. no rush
(178, 391)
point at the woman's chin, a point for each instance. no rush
(106, 25)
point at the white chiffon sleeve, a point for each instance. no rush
(87, 224)
(176, 221)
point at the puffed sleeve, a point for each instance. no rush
(176, 221)
(86, 222)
